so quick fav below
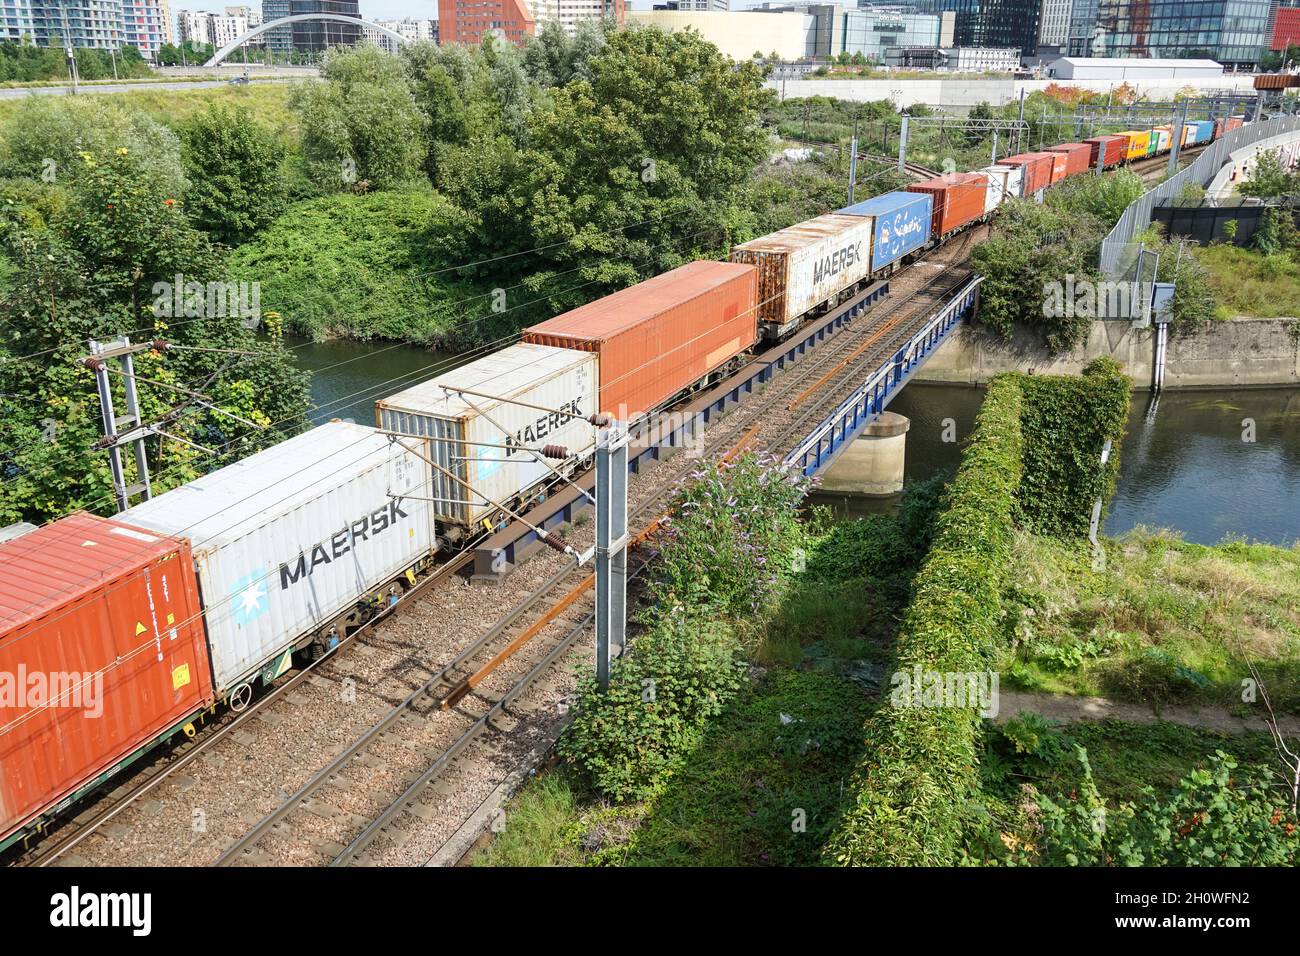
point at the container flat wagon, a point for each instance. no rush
(296, 544)
(662, 336)
(102, 648)
(806, 268)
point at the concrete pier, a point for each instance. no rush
(873, 464)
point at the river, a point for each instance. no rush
(1193, 466)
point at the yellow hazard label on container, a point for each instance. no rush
(180, 676)
(140, 628)
(171, 619)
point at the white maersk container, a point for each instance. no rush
(1005, 182)
(482, 435)
(288, 541)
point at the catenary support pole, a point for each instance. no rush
(611, 548)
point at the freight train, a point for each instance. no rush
(116, 635)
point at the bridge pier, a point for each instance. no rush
(873, 465)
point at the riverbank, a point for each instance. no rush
(1242, 351)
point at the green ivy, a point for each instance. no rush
(1065, 423)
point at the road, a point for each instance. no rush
(10, 94)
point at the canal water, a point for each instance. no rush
(1193, 466)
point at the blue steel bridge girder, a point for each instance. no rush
(828, 440)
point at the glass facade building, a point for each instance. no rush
(872, 32)
(317, 35)
(991, 23)
(1233, 32)
(280, 39)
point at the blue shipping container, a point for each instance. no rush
(1204, 131)
(902, 224)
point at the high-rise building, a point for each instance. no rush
(569, 13)
(317, 35)
(991, 23)
(1054, 22)
(1286, 26)
(279, 39)
(1233, 32)
(92, 24)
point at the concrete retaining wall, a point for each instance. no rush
(965, 93)
(1240, 352)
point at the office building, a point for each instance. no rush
(992, 24)
(1232, 32)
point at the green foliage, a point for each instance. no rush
(45, 138)
(28, 63)
(1277, 233)
(1027, 262)
(733, 535)
(910, 791)
(361, 128)
(1270, 179)
(354, 265)
(1250, 283)
(1220, 815)
(234, 167)
(1065, 422)
(90, 268)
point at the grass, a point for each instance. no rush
(268, 102)
(1165, 622)
(1248, 283)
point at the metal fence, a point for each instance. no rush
(1117, 250)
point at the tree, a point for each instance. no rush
(360, 124)
(96, 266)
(1269, 179)
(234, 168)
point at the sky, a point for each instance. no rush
(428, 9)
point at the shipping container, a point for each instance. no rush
(1189, 135)
(1164, 137)
(1218, 128)
(958, 200)
(902, 224)
(1060, 165)
(1153, 142)
(1077, 157)
(1138, 140)
(1109, 150)
(101, 656)
(1232, 122)
(289, 542)
(805, 265)
(1204, 131)
(1038, 170)
(662, 335)
(513, 397)
(999, 185)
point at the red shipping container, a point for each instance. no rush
(1231, 123)
(101, 653)
(1038, 170)
(1112, 149)
(1077, 157)
(958, 200)
(660, 336)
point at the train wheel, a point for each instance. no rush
(241, 697)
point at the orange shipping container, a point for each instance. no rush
(1077, 157)
(660, 336)
(1038, 170)
(102, 653)
(958, 200)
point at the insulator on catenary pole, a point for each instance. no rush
(555, 452)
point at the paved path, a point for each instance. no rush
(1099, 708)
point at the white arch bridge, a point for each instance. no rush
(236, 43)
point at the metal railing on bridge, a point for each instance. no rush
(1117, 251)
(825, 443)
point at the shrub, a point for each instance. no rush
(920, 769)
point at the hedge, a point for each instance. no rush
(1065, 421)
(921, 765)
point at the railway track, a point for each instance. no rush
(457, 708)
(357, 795)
